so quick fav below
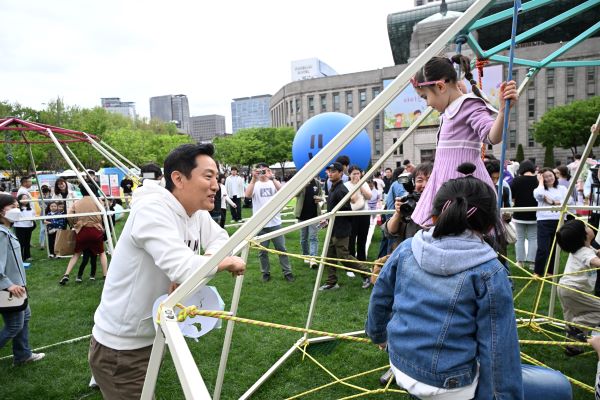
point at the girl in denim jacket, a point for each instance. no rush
(443, 307)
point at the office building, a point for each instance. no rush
(310, 68)
(171, 108)
(116, 106)
(204, 128)
(410, 32)
(250, 112)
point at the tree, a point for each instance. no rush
(250, 146)
(549, 157)
(139, 140)
(520, 154)
(568, 126)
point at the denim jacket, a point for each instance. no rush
(443, 306)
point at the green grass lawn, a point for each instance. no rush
(62, 313)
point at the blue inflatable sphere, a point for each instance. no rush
(319, 130)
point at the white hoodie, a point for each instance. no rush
(159, 244)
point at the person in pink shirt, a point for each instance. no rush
(467, 121)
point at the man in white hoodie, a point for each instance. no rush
(160, 246)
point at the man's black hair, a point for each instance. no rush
(492, 167)
(24, 178)
(262, 165)
(397, 172)
(526, 166)
(234, 167)
(571, 236)
(151, 168)
(183, 160)
(388, 168)
(425, 169)
(406, 162)
(344, 160)
(6, 200)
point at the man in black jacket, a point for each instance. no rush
(340, 234)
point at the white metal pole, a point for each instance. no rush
(313, 301)
(271, 370)
(237, 290)
(192, 383)
(156, 357)
(104, 144)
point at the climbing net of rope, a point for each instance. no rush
(539, 328)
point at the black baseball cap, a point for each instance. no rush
(336, 166)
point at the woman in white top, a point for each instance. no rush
(360, 223)
(62, 191)
(548, 193)
(23, 229)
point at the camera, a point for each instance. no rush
(263, 172)
(594, 172)
(411, 199)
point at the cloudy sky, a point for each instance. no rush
(212, 51)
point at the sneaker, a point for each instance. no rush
(572, 351)
(575, 334)
(64, 280)
(92, 278)
(32, 358)
(366, 283)
(266, 277)
(329, 286)
(289, 278)
(78, 279)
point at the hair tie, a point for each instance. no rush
(446, 205)
(471, 211)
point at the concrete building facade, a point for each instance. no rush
(172, 108)
(250, 112)
(204, 128)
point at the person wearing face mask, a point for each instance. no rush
(12, 279)
(24, 227)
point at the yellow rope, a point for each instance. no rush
(533, 315)
(296, 396)
(194, 311)
(573, 381)
(258, 246)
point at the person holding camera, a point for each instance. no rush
(261, 188)
(400, 226)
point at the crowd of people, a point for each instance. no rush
(441, 304)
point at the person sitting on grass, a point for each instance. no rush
(443, 308)
(576, 293)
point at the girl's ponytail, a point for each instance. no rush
(453, 218)
(465, 203)
(465, 65)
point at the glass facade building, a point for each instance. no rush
(250, 112)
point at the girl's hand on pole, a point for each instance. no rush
(508, 91)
